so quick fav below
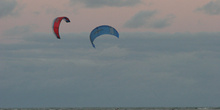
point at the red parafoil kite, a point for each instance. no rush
(56, 25)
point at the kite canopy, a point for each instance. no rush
(100, 30)
(56, 25)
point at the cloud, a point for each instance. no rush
(7, 7)
(147, 19)
(110, 3)
(16, 33)
(139, 68)
(211, 8)
(18, 30)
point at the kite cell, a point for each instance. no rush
(101, 30)
(56, 25)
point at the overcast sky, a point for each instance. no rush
(167, 54)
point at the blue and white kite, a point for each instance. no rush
(100, 30)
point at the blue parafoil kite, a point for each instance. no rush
(56, 25)
(100, 30)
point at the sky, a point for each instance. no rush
(167, 54)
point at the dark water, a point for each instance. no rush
(139, 108)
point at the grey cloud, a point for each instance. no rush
(110, 3)
(139, 20)
(7, 7)
(147, 19)
(211, 8)
(139, 69)
(18, 30)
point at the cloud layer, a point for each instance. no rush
(148, 19)
(110, 3)
(139, 69)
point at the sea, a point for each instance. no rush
(121, 108)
